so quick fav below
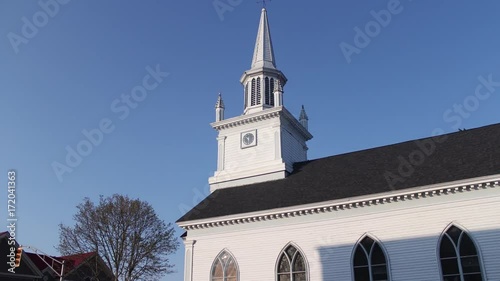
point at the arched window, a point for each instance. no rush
(258, 91)
(369, 261)
(267, 91)
(245, 101)
(291, 265)
(224, 268)
(271, 102)
(459, 258)
(252, 96)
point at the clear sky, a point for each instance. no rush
(417, 72)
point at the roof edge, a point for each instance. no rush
(446, 188)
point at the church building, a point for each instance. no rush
(422, 210)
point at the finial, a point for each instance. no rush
(220, 103)
(303, 114)
(219, 109)
(303, 119)
(263, 3)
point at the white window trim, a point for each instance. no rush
(387, 259)
(276, 266)
(472, 238)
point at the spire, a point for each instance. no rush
(219, 109)
(263, 55)
(260, 80)
(220, 102)
(303, 119)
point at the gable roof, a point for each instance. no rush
(35, 264)
(451, 157)
(78, 259)
(70, 262)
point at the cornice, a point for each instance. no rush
(296, 124)
(343, 204)
(245, 119)
(260, 116)
(263, 71)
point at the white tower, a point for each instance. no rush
(263, 143)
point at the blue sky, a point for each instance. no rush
(418, 73)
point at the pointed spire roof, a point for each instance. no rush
(263, 55)
(303, 114)
(220, 103)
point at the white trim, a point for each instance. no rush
(225, 179)
(272, 112)
(245, 119)
(223, 269)
(276, 266)
(188, 259)
(386, 255)
(221, 149)
(472, 238)
(347, 203)
(243, 145)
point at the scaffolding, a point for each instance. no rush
(52, 264)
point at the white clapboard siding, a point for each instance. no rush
(293, 145)
(409, 231)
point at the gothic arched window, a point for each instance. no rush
(291, 265)
(459, 257)
(258, 91)
(369, 261)
(252, 96)
(224, 268)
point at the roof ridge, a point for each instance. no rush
(398, 143)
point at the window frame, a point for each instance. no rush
(258, 92)
(474, 242)
(217, 258)
(384, 251)
(252, 94)
(282, 252)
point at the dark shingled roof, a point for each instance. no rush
(456, 156)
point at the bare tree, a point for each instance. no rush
(126, 233)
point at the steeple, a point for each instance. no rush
(260, 81)
(263, 54)
(265, 141)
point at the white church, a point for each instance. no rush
(362, 216)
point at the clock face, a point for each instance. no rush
(248, 138)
